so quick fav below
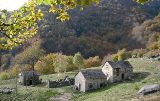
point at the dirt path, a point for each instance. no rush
(64, 97)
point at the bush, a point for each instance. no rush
(53, 63)
(138, 53)
(45, 64)
(121, 55)
(15, 71)
(4, 76)
(92, 62)
(70, 65)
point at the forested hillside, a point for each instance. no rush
(97, 30)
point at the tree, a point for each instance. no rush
(45, 64)
(121, 55)
(19, 26)
(30, 55)
(78, 60)
(60, 63)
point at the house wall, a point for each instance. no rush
(125, 71)
(108, 71)
(25, 79)
(96, 83)
(111, 73)
(80, 80)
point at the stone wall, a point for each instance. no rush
(60, 83)
(7, 90)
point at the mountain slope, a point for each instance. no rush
(97, 30)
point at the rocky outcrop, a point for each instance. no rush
(149, 89)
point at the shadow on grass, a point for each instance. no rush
(138, 76)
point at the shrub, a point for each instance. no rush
(92, 62)
(153, 46)
(4, 76)
(121, 55)
(15, 71)
(78, 60)
(54, 63)
(70, 65)
(45, 64)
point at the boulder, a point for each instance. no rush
(149, 89)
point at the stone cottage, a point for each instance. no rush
(117, 71)
(111, 72)
(90, 79)
(29, 78)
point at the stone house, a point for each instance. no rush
(110, 72)
(117, 71)
(29, 78)
(90, 79)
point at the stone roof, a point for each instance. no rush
(29, 73)
(93, 74)
(120, 64)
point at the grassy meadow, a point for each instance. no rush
(145, 72)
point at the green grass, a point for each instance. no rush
(145, 72)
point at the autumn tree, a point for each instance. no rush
(29, 56)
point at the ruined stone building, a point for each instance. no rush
(29, 78)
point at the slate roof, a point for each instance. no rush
(29, 73)
(120, 64)
(93, 74)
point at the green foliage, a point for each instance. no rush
(15, 71)
(5, 61)
(19, 26)
(22, 24)
(30, 55)
(45, 65)
(53, 63)
(115, 58)
(142, 1)
(4, 76)
(121, 55)
(70, 65)
(60, 63)
(78, 60)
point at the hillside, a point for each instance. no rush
(145, 72)
(97, 30)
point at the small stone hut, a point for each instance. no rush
(29, 78)
(90, 79)
(117, 71)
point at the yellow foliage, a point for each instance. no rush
(4, 76)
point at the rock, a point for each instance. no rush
(149, 89)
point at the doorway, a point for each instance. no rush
(122, 76)
(30, 82)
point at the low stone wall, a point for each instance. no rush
(60, 83)
(7, 90)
